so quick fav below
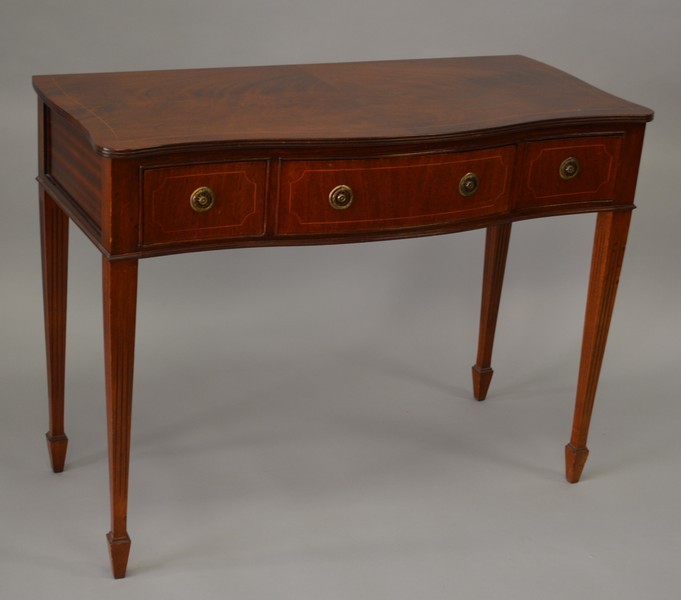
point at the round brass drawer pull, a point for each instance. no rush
(341, 197)
(469, 184)
(569, 168)
(202, 199)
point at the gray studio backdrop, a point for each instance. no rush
(303, 423)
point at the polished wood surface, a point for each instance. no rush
(238, 210)
(417, 147)
(54, 229)
(144, 111)
(120, 300)
(595, 181)
(388, 191)
(606, 264)
(496, 251)
(72, 163)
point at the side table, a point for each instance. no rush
(162, 162)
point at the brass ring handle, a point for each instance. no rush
(569, 168)
(202, 199)
(341, 197)
(469, 184)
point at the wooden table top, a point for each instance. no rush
(132, 113)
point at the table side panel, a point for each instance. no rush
(630, 162)
(74, 167)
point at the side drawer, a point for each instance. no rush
(392, 193)
(571, 170)
(203, 202)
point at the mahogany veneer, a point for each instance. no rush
(160, 162)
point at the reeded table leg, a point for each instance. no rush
(496, 250)
(120, 300)
(54, 234)
(606, 263)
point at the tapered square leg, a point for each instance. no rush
(119, 550)
(56, 449)
(575, 459)
(54, 235)
(606, 263)
(120, 300)
(496, 250)
(482, 377)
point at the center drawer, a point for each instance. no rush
(347, 195)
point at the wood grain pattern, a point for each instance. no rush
(393, 192)
(120, 300)
(496, 250)
(606, 263)
(239, 209)
(143, 112)
(598, 158)
(54, 235)
(121, 206)
(75, 168)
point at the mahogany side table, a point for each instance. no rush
(162, 162)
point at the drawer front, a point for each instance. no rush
(339, 196)
(566, 171)
(203, 202)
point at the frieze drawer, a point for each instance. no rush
(342, 196)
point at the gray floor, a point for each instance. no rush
(303, 422)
